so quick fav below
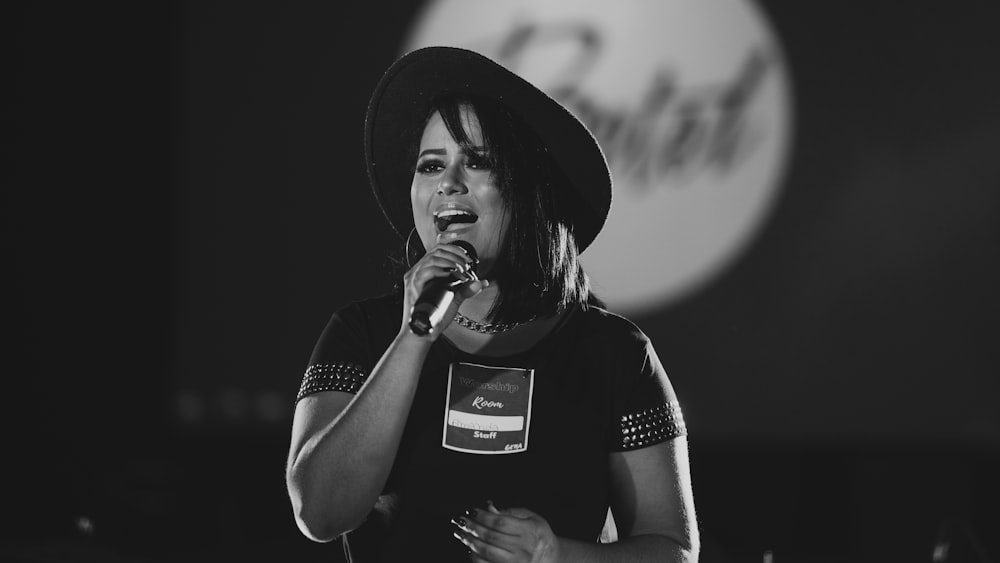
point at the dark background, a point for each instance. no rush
(185, 204)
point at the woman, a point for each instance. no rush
(507, 431)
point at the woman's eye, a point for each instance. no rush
(429, 167)
(477, 162)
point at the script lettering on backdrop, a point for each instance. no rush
(670, 132)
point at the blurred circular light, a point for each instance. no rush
(272, 407)
(84, 525)
(190, 406)
(234, 403)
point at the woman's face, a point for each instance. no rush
(454, 195)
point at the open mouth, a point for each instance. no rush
(444, 219)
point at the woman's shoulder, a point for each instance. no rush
(601, 323)
(372, 311)
(373, 304)
(382, 304)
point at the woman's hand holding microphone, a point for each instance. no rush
(437, 284)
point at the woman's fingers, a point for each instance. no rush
(482, 528)
(516, 531)
(439, 263)
(452, 251)
(483, 542)
(443, 262)
(447, 259)
(427, 276)
(493, 521)
(472, 289)
(492, 534)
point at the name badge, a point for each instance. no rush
(488, 409)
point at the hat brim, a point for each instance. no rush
(403, 97)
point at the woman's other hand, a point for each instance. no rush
(507, 536)
(443, 261)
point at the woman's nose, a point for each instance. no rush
(452, 181)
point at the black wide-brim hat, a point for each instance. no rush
(402, 99)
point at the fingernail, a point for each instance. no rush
(460, 522)
(471, 513)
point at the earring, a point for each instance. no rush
(406, 247)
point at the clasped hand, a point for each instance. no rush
(505, 536)
(443, 261)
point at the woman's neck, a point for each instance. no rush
(479, 306)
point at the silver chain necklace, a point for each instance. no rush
(487, 328)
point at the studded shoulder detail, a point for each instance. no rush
(647, 427)
(339, 376)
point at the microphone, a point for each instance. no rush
(438, 295)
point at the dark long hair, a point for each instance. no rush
(538, 270)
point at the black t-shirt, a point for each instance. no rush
(596, 386)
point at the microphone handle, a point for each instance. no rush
(429, 310)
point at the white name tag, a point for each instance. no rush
(488, 409)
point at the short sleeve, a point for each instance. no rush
(646, 410)
(344, 355)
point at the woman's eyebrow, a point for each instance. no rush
(438, 152)
(479, 149)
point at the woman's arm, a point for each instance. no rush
(651, 500)
(343, 446)
(653, 506)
